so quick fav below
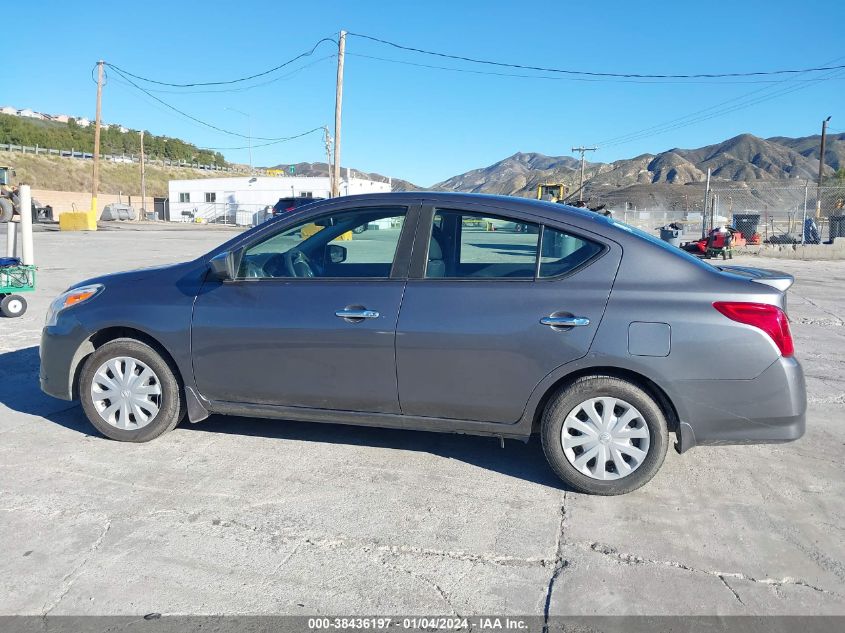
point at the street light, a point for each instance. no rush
(249, 133)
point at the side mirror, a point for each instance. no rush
(222, 266)
(324, 222)
(335, 254)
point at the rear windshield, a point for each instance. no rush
(658, 242)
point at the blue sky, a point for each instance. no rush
(424, 124)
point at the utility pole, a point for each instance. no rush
(142, 214)
(582, 150)
(338, 107)
(95, 185)
(821, 170)
(328, 141)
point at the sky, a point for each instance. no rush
(426, 124)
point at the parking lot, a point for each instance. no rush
(252, 516)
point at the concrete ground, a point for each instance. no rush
(250, 516)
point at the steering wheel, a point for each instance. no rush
(298, 264)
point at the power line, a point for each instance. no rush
(230, 81)
(245, 88)
(276, 142)
(558, 78)
(694, 118)
(592, 73)
(200, 121)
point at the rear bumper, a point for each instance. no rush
(770, 408)
(63, 346)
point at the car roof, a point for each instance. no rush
(549, 210)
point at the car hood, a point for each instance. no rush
(166, 273)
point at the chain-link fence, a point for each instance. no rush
(781, 214)
(651, 220)
(232, 213)
(773, 211)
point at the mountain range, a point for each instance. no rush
(743, 158)
(648, 180)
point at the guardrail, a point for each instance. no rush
(124, 158)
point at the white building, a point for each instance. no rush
(9, 110)
(238, 200)
(83, 122)
(30, 114)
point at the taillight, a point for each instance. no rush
(771, 319)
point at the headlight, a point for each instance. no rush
(71, 298)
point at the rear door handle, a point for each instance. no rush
(349, 313)
(565, 321)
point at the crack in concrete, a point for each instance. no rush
(75, 573)
(440, 591)
(370, 546)
(632, 559)
(731, 589)
(835, 316)
(559, 565)
(285, 560)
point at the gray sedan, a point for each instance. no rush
(431, 311)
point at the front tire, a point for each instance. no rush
(130, 393)
(603, 435)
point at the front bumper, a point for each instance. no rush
(63, 346)
(769, 408)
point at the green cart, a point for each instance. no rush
(15, 279)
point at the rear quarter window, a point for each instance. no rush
(561, 253)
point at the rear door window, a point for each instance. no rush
(467, 245)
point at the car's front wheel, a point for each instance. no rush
(604, 435)
(129, 392)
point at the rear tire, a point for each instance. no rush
(635, 437)
(155, 380)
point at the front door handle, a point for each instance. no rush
(565, 321)
(354, 313)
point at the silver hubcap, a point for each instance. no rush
(605, 438)
(126, 393)
(14, 306)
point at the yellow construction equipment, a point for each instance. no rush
(552, 191)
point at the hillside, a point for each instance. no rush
(70, 174)
(65, 136)
(743, 158)
(322, 169)
(834, 151)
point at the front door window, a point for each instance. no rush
(352, 244)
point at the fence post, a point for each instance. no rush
(804, 218)
(704, 211)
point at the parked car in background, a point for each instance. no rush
(600, 338)
(287, 205)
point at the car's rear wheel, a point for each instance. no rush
(604, 435)
(130, 393)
